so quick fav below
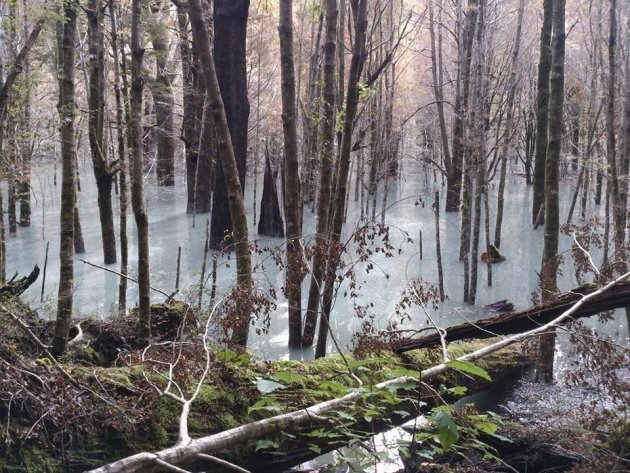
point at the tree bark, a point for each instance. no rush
(162, 91)
(230, 171)
(552, 206)
(137, 185)
(294, 273)
(67, 113)
(322, 236)
(103, 173)
(230, 31)
(542, 108)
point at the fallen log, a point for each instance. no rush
(616, 297)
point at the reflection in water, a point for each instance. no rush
(410, 213)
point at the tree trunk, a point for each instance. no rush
(512, 84)
(552, 211)
(359, 11)
(322, 236)
(137, 192)
(122, 118)
(294, 273)
(542, 109)
(230, 31)
(163, 94)
(96, 121)
(454, 173)
(230, 171)
(68, 191)
(270, 223)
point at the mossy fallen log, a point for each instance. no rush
(53, 425)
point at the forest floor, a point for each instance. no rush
(100, 402)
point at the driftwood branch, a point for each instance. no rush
(183, 454)
(527, 319)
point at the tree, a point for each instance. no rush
(552, 208)
(230, 33)
(161, 89)
(230, 171)
(137, 192)
(542, 110)
(292, 190)
(67, 114)
(104, 171)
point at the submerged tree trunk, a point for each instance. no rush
(230, 171)
(270, 223)
(137, 192)
(359, 11)
(549, 268)
(322, 241)
(294, 273)
(230, 32)
(103, 173)
(542, 109)
(68, 191)
(512, 84)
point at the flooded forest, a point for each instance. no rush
(314, 235)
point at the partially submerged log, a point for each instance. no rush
(527, 319)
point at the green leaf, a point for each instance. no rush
(265, 404)
(315, 448)
(288, 377)
(470, 368)
(267, 386)
(457, 390)
(406, 386)
(448, 433)
(266, 444)
(226, 355)
(487, 427)
(400, 372)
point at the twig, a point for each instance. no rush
(223, 463)
(590, 259)
(440, 330)
(124, 276)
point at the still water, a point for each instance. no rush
(409, 213)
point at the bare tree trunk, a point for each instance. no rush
(122, 117)
(512, 84)
(230, 171)
(454, 174)
(162, 91)
(322, 242)
(68, 191)
(103, 172)
(137, 192)
(552, 212)
(359, 10)
(542, 109)
(230, 29)
(294, 273)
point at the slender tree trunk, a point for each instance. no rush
(294, 273)
(68, 192)
(359, 10)
(137, 191)
(103, 173)
(122, 118)
(322, 241)
(509, 118)
(230, 171)
(552, 212)
(162, 91)
(542, 109)
(454, 174)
